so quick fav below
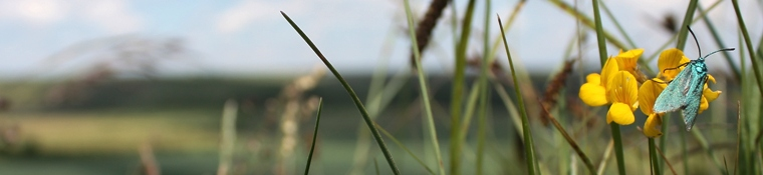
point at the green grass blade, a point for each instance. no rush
(605, 158)
(618, 147)
(603, 57)
(667, 43)
(586, 161)
(684, 31)
(424, 89)
(400, 144)
(375, 100)
(471, 103)
(746, 35)
(653, 158)
(376, 103)
(506, 27)
(352, 94)
(376, 166)
(602, 43)
(617, 24)
(586, 21)
(483, 85)
(709, 151)
(719, 42)
(315, 137)
(529, 146)
(228, 136)
(458, 88)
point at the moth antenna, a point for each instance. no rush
(722, 50)
(695, 40)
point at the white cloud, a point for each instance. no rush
(247, 12)
(113, 16)
(240, 15)
(36, 12)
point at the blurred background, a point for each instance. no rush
(139, 87)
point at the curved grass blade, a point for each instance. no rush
(529, 146)
(315, 136)
(746, 35)
(398, 143)
(423, 88)
(573, 144)
(352, 94)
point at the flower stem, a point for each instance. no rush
(618, 147)
(600, 34)
(654, 159)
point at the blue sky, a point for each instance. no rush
(250, 38)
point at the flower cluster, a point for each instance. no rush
(617, 84)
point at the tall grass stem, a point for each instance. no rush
(423, 88)
(353, 95)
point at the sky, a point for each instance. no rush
(59, 38)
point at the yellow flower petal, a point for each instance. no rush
(623, 88)
(621, 114)
(648, 93)
(610, 68)
(669, 61)
(593, 78)
(627, 60)
(710, 78)
(652, 126)
(593, 94)
(703, 104)
(709, 93)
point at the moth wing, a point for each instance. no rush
(691, 110)
(694, 98)
(674, 95)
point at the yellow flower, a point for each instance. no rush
(617, 85)
(652, 125)
(647, 94)
(628, 61)
(594, 92)
(669, 62)
(622, 91)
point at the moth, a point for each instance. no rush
(685, 90)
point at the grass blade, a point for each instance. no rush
(458, 87)
(398, 143)
(315, 137)
(228, 136)
(683, 32)
(529, 147)
(603, 58)
(483, 85)
(665, 159)
(424, 89)
(748, 43)
(653, 158)
(719, 42)
(352, 94)
(573, 144)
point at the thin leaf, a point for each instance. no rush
(355, 99)
(529, 146)
(315, 137)
(423, 89)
